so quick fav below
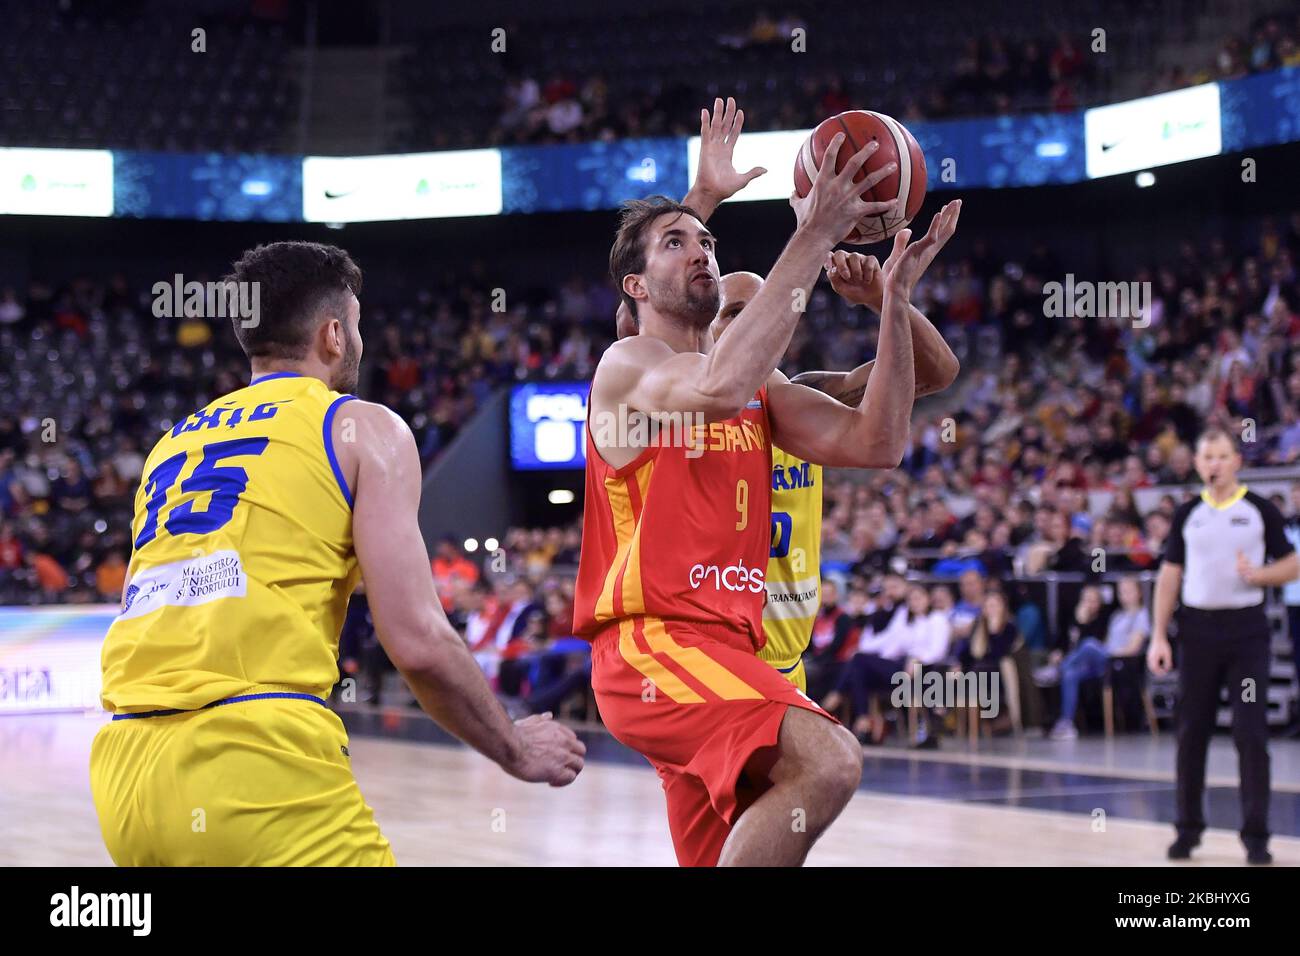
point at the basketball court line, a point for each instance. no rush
(626, 825)
(446, 805)
(389, 721)
(1130, 796)
(1016, 762)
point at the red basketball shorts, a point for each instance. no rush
(698, 706)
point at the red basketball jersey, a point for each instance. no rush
(682, 532)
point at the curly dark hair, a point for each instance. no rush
(296, 282)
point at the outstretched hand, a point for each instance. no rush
(909, 260)
(717, 176)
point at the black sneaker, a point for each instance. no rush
(1181, 849)
(1258, 855)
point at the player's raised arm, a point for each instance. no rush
(676, 262)
(716, 179)
(860, 280)
(384, 469)
(815, 427)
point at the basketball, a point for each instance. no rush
(860, 127)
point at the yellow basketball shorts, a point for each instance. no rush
(264, 782)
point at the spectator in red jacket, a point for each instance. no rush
(450, 565)
(11, 549)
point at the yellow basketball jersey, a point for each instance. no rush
(794, 563)
(243, 561)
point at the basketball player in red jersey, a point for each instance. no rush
(676, 536)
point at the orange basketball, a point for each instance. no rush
(906, 184)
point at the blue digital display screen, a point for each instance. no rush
(1037, 150)
(987, 152)
(591, 175)
(207, 186)
(1261, 110)
(547, 422)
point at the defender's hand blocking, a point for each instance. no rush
(856, 278)
(716, 175)
(834, 205)
(909, 260)
(549, 752)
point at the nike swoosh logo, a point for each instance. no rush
(1107, 147)
(331, 194)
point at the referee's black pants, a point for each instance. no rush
(1216, 648)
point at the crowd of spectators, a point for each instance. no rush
(895, 609)
(559, 80)
(1042, 466)
(92, 377)
(993, 76)
(1273, 42)
(976, 626)
(1062, 424)
(1058, 411)
(994, 73)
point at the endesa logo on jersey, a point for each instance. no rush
(734, 577)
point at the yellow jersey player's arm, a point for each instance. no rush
(859, 279)
(383, 468)
(814, 426)
(817, 428)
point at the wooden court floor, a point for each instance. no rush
(444, 805)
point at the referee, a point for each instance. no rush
(1223, 550)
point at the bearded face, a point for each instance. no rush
(349, 371)
(692, 298)
(681, 271)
